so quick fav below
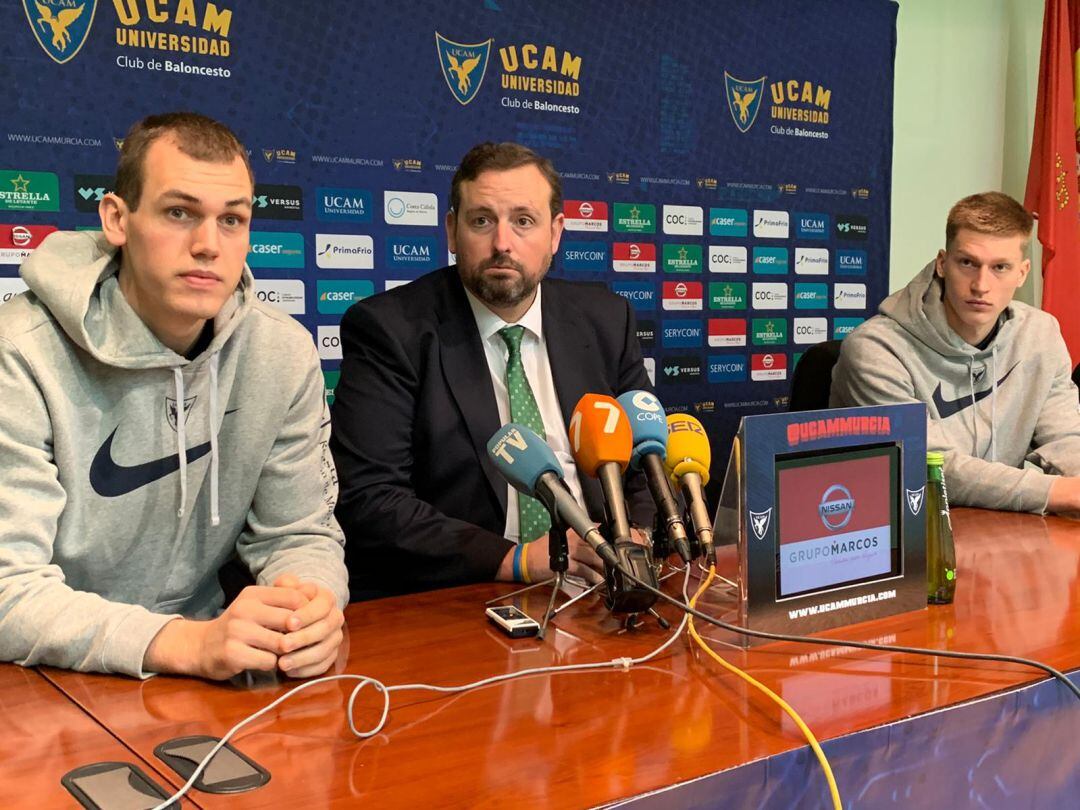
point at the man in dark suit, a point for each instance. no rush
(432, 369)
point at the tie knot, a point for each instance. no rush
(512, 336)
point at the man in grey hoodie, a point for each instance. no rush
(994, 373)
(156, 421)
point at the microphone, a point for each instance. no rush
(601, 439)
(649, 429)
(688, 460)
(529, 466)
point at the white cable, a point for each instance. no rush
(364, 680)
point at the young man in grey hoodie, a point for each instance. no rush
(994, 373)
(156, 421)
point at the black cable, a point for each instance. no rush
(829, 642)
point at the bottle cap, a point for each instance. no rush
(934, 458)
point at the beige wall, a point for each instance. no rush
(967, 72)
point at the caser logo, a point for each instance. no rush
(276, 249)
(334, 297)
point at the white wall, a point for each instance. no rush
(967, 73)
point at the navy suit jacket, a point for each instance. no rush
(421, 504)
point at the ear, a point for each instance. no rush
(451, 238)
(1025, 268)
(114, 213)
(557, 224)
(939, 264)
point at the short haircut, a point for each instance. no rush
(196, 135)
(991, 213)
(501, 157)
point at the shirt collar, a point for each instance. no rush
(488, 323)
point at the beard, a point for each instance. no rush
(502, 292)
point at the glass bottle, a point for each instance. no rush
(940, 552)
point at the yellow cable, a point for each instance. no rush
(783, 704)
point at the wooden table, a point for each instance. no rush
(585, 739)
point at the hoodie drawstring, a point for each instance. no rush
(993, 403)
(181, 438)
(974, 410)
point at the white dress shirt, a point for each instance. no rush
(534, 357)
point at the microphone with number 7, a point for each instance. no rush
(527, 463)
(688, 460)
(648, 426)
(601, 441)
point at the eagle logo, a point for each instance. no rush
(915, 499)
(463, 66)
(744, 99)
(60, 26)
(759, 522)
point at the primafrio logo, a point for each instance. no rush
(744, 99)
(836, 507)
(341, 251)
(60, 26)
(463, 66)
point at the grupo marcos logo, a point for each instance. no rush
(60, 26)
(463, 66)
(836, 507)
(744, 99)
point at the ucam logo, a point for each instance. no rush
(285, 294)
(811, 261)
(770, 260)
(281, 250)
(809, 331)
(811, 226)
(633, 257)
(681, 334)
(727, 259)
(343, 204)
(770, 296)
(744, 99)
(334, 297)
(585, 215)
(836, 507)
(683, 219)
(410, 208)
(851, 262)
(585, 256)
(463, 66)
(771, 224)
(342, 251)
(60, 26)
(682, 295)
(640, 294)
(849, 296)
(329, 342)
(419, 252)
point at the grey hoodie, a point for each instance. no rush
(107, 530)
(990, 410)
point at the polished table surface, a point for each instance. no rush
(584, 739)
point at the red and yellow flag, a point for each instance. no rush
(1052, 174)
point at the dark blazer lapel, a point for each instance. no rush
(467, 377)
(569, 339)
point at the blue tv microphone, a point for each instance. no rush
(527, 463)
(648, 424)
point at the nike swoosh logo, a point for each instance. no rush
(111, 480)
(948, 407)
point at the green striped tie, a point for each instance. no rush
(533, 519)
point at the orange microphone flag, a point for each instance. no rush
(600, 434)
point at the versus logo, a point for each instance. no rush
(60, 26)
(727, 295)
(852, 226)
(725, 369)
(417, 251)
(278, 250)
(771, 224)
(640, 294)
(811, 261)
(836, 507)
(633, 257)
(344, 204)
(463, 66)
(681, 369)
(811, 296)
(728, 222)
(90, 189)
(646, 334)
(286, 294)
(277, 202)
(585, 215)
(682, 334)
(727, 259)
(341, 251)
(585, 256)
(682, 295)
(334, 297)
(770, 260)
(851, 262)
(744, 100)
(812, 226)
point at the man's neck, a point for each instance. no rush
(515, 313)
(179, 335)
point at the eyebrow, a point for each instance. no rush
(185, 197)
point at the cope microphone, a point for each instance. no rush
(688, 460)
(601, 441)
(529, 466)
(648, 426)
